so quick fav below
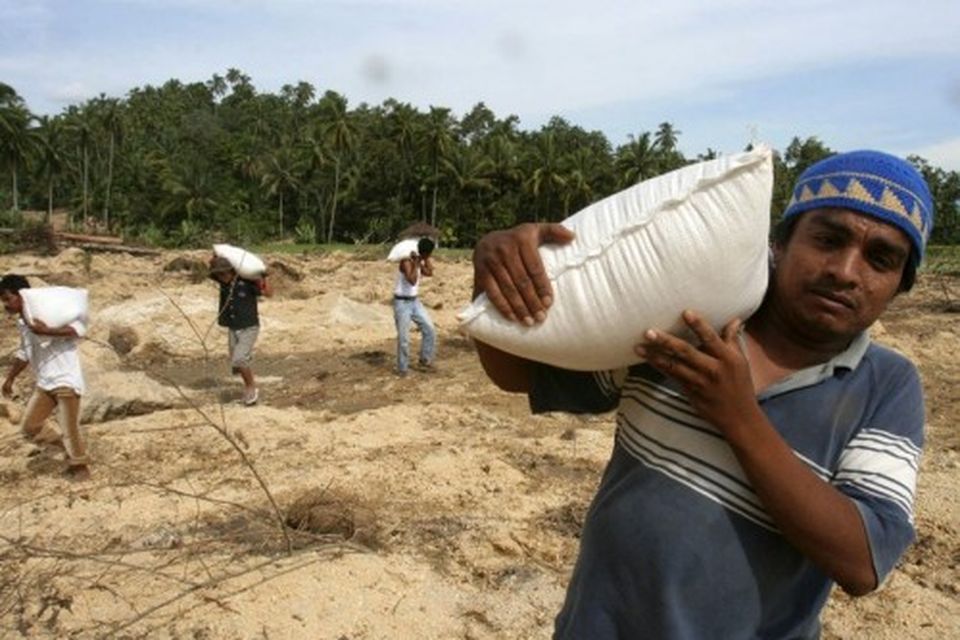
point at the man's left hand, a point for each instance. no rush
(715, 377)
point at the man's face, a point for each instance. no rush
(838, 272)
(12, 301)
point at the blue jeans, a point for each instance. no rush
(405, 311)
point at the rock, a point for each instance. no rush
(123, 339)
(116, 394)
(196, 269)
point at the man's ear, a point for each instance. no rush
(776, 253)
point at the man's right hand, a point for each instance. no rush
(507, 267)
(8, 389)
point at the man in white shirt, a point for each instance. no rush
(55, 359)
(407, 308)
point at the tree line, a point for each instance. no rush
(176, 164)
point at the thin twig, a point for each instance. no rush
(222, 430)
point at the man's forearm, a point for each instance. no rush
(60, 332)
(15, 369)
(815, 517)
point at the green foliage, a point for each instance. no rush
(942, 260)
(305, 232)
(190, 234)
(448, 237)
(24, 233)
(187, 235)
(10, 218)
(185, 164)
(152, 235)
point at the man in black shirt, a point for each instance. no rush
(238, 313)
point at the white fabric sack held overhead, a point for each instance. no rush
(403, 249)
(56, 307)
(695, 238)
(246, 264)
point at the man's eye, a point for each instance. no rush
(827, 240)
(884, 262)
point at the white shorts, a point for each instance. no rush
(240, 343)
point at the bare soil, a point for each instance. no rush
(351, 503)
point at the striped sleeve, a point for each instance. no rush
(878, 467)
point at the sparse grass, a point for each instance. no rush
(362, 251)
(942, 260)
(293, 248)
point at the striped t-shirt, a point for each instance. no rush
(676, 543)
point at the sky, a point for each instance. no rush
(882, 74)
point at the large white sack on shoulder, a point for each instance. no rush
(403, 249)
(54, 306)
(246, 264)
(695, 238)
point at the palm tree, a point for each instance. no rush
(709, 154)
(189, 190)
(51, 162)
(665, 141)
(217, 85)
(402, 129)
(314, 158)
(666, 137)
(501, 149)
(280, 178)
(635, 161)
(470, 172)
(339, 134)
(7, 93)
(113, 123)
(547, 176)
(80, 126)
(439, 138)
(15, 140)
(579, 180)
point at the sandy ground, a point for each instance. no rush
(433, 506)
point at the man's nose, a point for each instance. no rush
(846, 267)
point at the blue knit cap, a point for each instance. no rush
(877, 184)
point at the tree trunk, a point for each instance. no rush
(281, 215)
(106, 202)
(16, 199)
(49, 215)
(336, 194)
(86, 174)
(433, 204)
(318, 234)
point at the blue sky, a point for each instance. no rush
(883, 73)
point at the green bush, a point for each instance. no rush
(305, 232)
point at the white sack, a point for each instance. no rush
(403, 249)
(56, 307)
(246, 264)
(695, 238)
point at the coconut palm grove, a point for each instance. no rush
(178, 164)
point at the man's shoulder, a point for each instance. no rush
(886, 357)
(889, 371)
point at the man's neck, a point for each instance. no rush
(776, 349)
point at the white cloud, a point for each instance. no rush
(519, 56)
(72, 93)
